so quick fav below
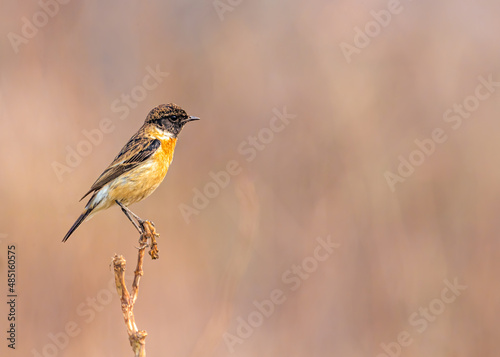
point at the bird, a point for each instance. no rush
(139, 167)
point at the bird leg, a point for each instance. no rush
(131, 214)
(144, 227)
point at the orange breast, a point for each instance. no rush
(140, 182)
(166, 154)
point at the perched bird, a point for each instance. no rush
(140, 166)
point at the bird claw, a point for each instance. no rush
(142, 222)
(143, 244)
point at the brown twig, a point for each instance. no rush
(137, 337)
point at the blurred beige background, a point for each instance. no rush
(361, 92)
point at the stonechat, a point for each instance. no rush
(139, 167)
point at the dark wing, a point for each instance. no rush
(136, 151)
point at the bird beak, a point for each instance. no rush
(190, 119)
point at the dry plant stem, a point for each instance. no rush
(150, 233)
(137, 337)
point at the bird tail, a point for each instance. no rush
(77, 223)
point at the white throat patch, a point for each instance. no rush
(164, 135)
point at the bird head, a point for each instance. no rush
(169, 118)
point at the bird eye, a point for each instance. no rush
(173, 118)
